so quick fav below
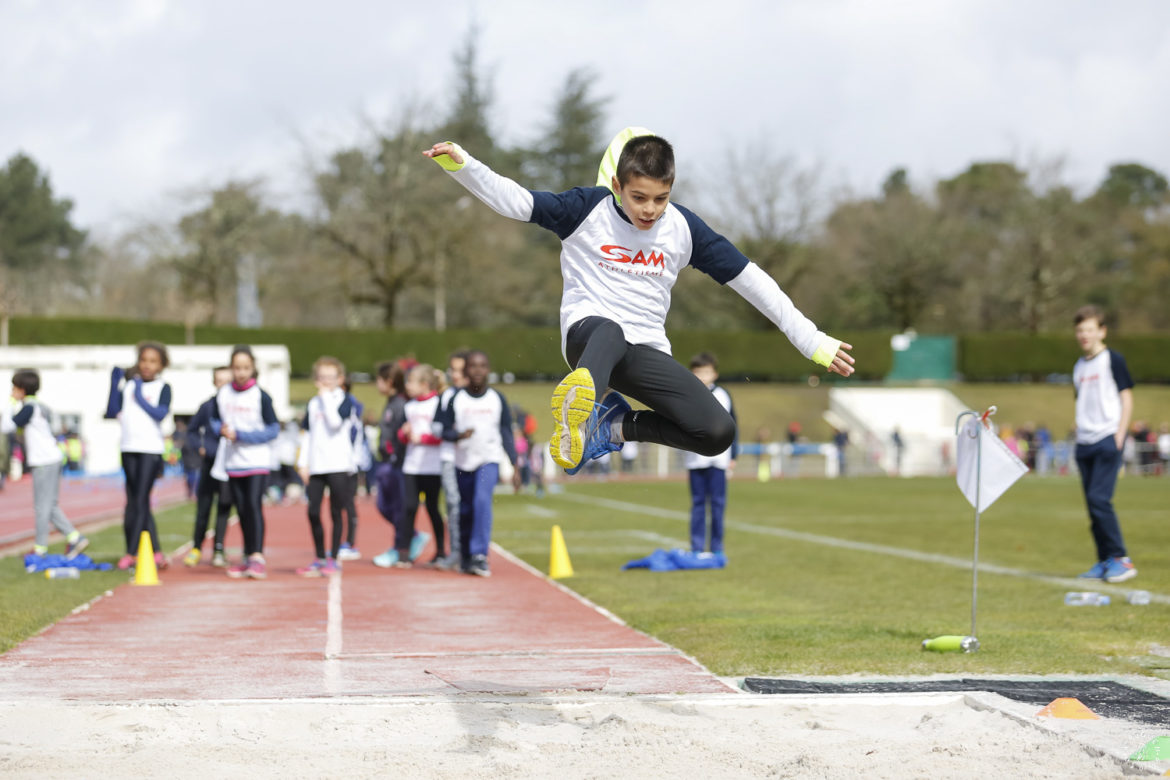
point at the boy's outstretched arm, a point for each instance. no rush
(761, 290)
(500, 193)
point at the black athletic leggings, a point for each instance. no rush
(428, 485)
(339, 486)
(248, 493)
(142, 469)
(683, 412)
(351, 510)
(208, 489)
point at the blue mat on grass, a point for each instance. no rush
(678, 560)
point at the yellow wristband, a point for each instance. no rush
(826, 352)
(447, 163)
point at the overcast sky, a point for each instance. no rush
(128, 102)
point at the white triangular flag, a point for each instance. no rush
(999, 470)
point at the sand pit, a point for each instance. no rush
(697, 736)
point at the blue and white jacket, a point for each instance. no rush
(248, 410)
(140, 407)
(40, 446)
(614, 270)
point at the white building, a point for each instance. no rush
(75, 385)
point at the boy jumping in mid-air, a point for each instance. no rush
(621, 253)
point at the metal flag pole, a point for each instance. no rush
(969, 643)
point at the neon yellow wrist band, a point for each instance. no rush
(826, 352)
(448, 164)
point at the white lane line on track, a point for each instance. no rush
(333, 632)
(879, 549)
(623, 651)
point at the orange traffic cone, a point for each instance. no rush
(1068, 708)
(145, 572)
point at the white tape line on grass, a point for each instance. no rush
(847, 544)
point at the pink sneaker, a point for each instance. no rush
(125, 562)
(257, 570)
(314, 569)
(330, 567)
(237, 571)
(161, 561)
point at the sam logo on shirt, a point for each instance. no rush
(651, 264)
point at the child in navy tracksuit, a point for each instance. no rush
(43, 458)
(247, 424)
(479, 421)
(391, 487)
(141, 401)
(356, 431)
(326, 461)
(708, 473)
(199, 430)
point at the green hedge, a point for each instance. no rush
(526, 352)
(989, 357)
(536, 352)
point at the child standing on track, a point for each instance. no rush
(455, 380)
(391, 488)
(621, 253)
(326, 461)
(43, 458)
(708, 473)
(247, 424)
(141, 401)
(420, 466)
(356, 431)
(1104, 405)
(209, 488)
(479, 421)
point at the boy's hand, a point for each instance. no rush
(467, 434)
(842, 362)
(446, 154)
(517, 479)
(228, 432)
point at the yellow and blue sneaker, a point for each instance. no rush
(573, 410)
(598, 440)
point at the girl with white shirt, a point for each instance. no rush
(247, 424)
(421, 466)
(140, 401)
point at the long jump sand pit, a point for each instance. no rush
(571, 736)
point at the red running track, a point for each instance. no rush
(85, 501)
(367, 632)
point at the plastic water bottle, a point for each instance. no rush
(1085, 598)
(63, 573)
(1138, 597)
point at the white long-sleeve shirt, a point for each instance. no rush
(614, 270)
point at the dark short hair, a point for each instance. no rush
(158, 347)
(471, 352)
(1090, 312)
(27, 380)
(647, 155)
(704, 359)
(391, 371)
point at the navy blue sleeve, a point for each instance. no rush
(156, 413)
(346, 408)
(711, 253)
(506, 435)
(21, 418)
(563, 213)
(1120, 371)
(445, 419)
(201, 418)
(114, 404)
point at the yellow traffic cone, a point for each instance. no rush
(559, 565)
(145, 572)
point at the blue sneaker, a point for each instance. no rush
(598, 442)
(387, 559)
(1119, 570)
(1095, 573)
(574, 415)
(418, 543)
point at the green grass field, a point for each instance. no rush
(789, 605)
(791, 601)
